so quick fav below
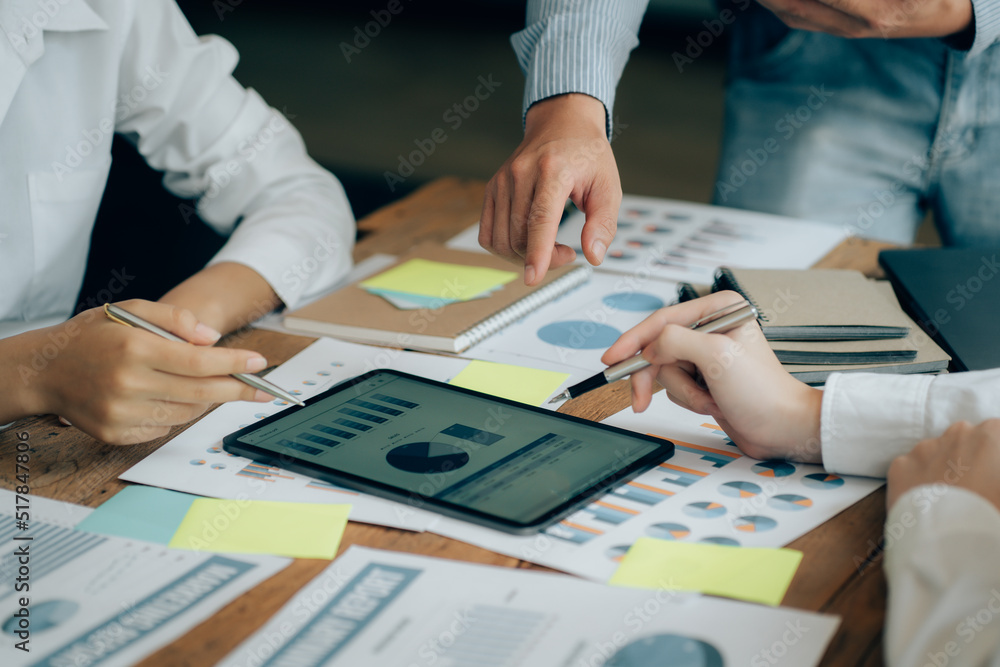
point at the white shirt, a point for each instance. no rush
(943, 543)
(71, 74)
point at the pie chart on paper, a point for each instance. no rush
(790, 502)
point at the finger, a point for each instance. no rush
(179, 321)
(643, 334)
(185, 360)
(561, 255)
(601, 208)
(486, 217)
(542, 224)
(207, 391)
(520, 209)
(501, 224)
(688, 393)
(642, 388)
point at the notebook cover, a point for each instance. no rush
(954, 294)
(811, 298)
(930, 357)
(348, 311)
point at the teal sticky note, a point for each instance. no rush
(140, 513)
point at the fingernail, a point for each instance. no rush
(262, 396)
(206, 331)
(255, 364)
(599, 249)
(64, 421)
(529, 275)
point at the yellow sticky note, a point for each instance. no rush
(744, 573)
(518, 383)
(298, 530)
(440, 280)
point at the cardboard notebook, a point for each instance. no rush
(352, 313)
(816, 304)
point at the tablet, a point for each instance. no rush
(461, 453)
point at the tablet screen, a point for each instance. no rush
(455, 447)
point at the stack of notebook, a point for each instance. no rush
(822, 321)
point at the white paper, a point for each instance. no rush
(576, 329)
(694, 496)
(98, 600)
(683, 241)
(389, 609)
(194, 461)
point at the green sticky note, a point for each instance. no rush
(140, 513)
(744, 573)
(298, 530)
(518, 383)
(439, 280)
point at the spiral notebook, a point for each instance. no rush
(352, 313)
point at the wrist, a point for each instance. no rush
(577, 109)
(806, 411)
(24, 361)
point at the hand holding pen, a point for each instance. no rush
(720, 321)
(122, 385)
(733, 377)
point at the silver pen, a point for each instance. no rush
(720, 321)
(122, 316)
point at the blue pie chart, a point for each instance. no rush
(754, 524)
(739, 489)
(579, 335)
(705, 510)
(822, 480)
(637, 302)
(666, 649)
(668, 531)
(774, 468)
(724, 541)
(790, 502)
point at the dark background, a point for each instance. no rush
(359, 117)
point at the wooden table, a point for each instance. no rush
(840, 574)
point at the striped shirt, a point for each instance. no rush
(581, 46)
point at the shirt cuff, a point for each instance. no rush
(574, 53)
(869, 419)
(986, 23)
(942, 515)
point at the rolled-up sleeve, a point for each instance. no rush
(577, 46)
(242, 161)
(987, 18)
(869, 419)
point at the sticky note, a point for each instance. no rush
(298, 530)
(140, 513)
(518, 383)
(439, 280)
(744, 573)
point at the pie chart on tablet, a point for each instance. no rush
(427, 457)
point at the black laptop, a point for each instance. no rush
(954, 293)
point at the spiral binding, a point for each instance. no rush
(725, 280)
(512, 313)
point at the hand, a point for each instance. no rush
(565, 153)
(734, 377)
(124, 385)
(884, 18)
(965, 455)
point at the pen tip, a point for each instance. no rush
(558, 398)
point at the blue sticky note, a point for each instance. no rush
(140, 513)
